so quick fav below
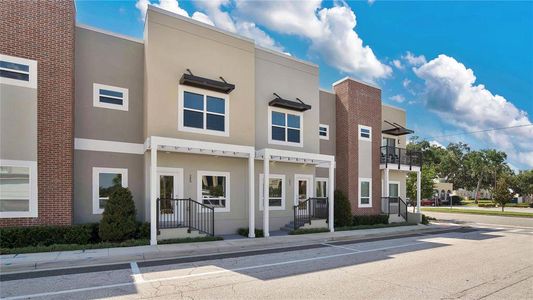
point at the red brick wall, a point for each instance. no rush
(44, 31)
(356, 104)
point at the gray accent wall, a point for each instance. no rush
(328, 117)
(18, 122)
(109, 60)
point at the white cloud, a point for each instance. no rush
(398, 64)
(414, 60)
(406, 82)
(331, 32)
(398, 98)
(199, 16)
(451, 91)
(436, 144)
(370, 2)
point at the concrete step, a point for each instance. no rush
(394, 218)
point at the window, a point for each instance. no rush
(365, 133)
(323, 131)
(203, 111)
(321, 188)
(18, 189)
(285, 128)
(365, 192)
(18, 71)
(276, 199)
(104, 181)
(389, 142)
(112, 97)
(213, 190)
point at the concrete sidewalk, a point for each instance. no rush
(93, 257)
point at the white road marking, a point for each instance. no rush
(137, 275)
(207, 273)
(341, 247)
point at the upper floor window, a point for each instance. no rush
(323, 132)
(18, 189)
(203, 111)
(112, 97)
(285, 127)
(18, 71)
(365, 133)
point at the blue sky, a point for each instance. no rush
(483, 78)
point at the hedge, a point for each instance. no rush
(308, 230)
(369, 220)
(83, 234)
(244, 232)
(486, 205)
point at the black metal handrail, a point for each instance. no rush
(400, 156)
(393, 206)
(402, 208)
(312, 208)
(185, 213)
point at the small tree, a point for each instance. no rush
(343, 210)
(502, 193)
(118, 220)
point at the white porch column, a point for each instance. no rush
(266, 203)
(418, 191)
(251, 196)
(386, 183)
(331, 195)
(153, 193)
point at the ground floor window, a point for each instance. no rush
(321, 188)
(276, 190)
(365, 192)
(18, 189)
(105, 180)
(213, 189)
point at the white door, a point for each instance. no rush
(170, 186)
(303, 187)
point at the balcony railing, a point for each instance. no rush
(400, 156)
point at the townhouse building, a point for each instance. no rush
(192, 119)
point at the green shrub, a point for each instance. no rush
(118, 220)
(370, 220)
(16, 237)
(308, 230)
(426, 219)
(143, 230)
(486, 205)
(244, 232)
(343, 210)
(456, 200)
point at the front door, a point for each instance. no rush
(303, 188)
(169, 186)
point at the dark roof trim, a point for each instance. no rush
(396, 129)
(288, 104)
(206, 83)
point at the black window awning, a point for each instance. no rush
(396, 129)
(289, 104)
(205, 83)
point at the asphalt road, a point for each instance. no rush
(478, 263)
(462, 218)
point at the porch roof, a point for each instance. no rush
(295, 156)
(198, 147)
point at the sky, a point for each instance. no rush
(454, 66)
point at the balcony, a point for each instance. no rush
(400, 157)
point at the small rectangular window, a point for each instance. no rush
(214, 189)
(285, 128)
(323, 132)
(365, 192)
(105, 180)
(321, 188)
(18, 189)
(365, 133)
(111, 97)
(276, 199)
(18, 71)
(203, 111)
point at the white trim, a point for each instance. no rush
(310, 186)
(327, 132)
(290, 57)
(33, 193)
(227, 208)
(286, 112)
(261, 191)
(322, 179)
(369, 180)
(132, 39)
(108, 146)
(96, 184)
(178, 173)
(181, 127)
(32, 73)
(327, 91)
(359, 127)
(392, 106)
(356, 80)
(294, 156)
(200, 147)
(96, 97)
(394, 166)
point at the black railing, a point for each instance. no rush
(185, 213)
(400, 156)
(312, 208)
(394, 206)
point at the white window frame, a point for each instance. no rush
(181, 127)
(200, 174)
(33, 200)
(96, 97)
(322, 179)
(96, 184)
(364, 138)
(32, 78)
(369, 180)
(327, 131)
(285, 111)
(261, 191)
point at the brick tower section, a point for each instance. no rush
(357, 103)
(44, 31)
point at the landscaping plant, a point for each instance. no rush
(118, 220)
(343, 210)
(502, 193)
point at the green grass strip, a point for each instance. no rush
(479, 212)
